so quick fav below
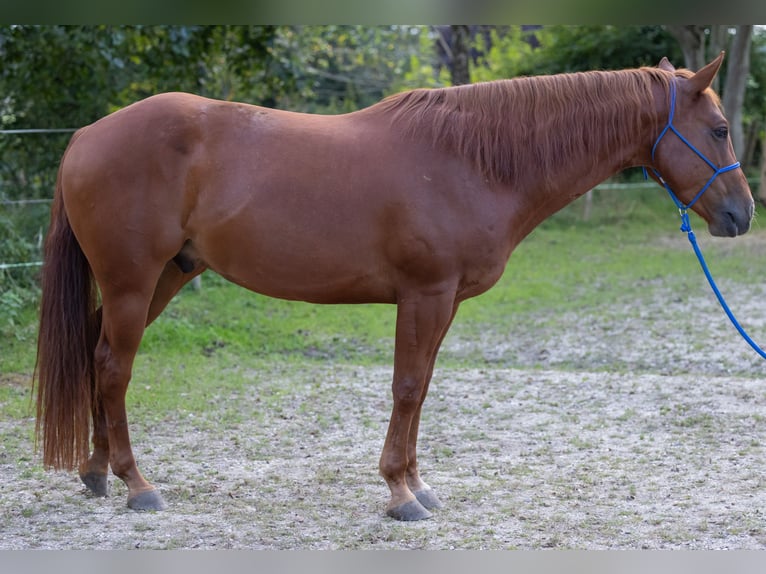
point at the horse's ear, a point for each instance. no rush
(704, 77)
(666, 65)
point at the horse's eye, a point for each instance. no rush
(721, 133)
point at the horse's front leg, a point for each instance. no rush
(419, 488)
(421, 322)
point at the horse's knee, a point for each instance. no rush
(408, 393)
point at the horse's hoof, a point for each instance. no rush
(95, 482)
(428, 499)
(147, 500)
(409, 511)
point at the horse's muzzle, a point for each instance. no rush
(732, 221)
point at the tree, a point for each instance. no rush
(69, 76)
(702, 43)
(48, 82)
(460, 55)
(343, 68)
(691, 38)
(737, 70)
(600, 47)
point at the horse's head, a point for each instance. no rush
(695, 157)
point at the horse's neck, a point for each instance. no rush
(575, 175)
(574, 181)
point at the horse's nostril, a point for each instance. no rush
(738, 224)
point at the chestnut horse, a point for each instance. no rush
(415, 201)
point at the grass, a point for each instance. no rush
(224, 332)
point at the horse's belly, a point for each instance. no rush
(313, 271)
(316, 287)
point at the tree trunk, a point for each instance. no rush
(737, 70)
(752, 133)
(762, 183)
(692, 41)
(461, 45)
(719, 40)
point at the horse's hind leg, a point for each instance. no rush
(123, 320)
(420, 326)
(94, 472)
(170, 282)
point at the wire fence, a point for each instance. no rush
(23, 202)
(40, 131)
(4, 266)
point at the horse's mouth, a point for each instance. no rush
(731, 224)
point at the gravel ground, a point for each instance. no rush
(637, 426)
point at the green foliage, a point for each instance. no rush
(510, 53)
(11, 303)
(19, 242)
(422, 70)
(343, 68)
(579, 48)
(755, 95)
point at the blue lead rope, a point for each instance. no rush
(684, 211)
(687, 228)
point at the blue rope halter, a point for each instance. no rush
(684, 212)
(716, 170)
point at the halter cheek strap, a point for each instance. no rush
(670, 127)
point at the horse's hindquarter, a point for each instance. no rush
(125, 183)
(337, 209)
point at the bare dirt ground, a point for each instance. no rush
(638, 426)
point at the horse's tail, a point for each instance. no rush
(69, 330)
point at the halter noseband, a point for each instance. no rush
(717, 170)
